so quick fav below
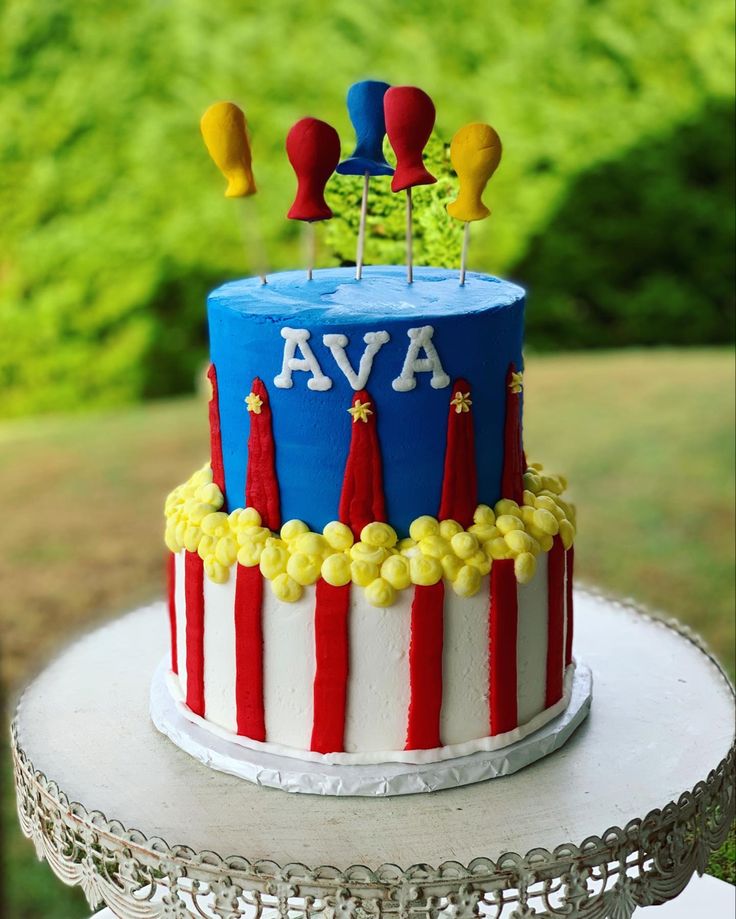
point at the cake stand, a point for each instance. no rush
(621, 817)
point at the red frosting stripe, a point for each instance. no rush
(425, 667)
(555, 620)
(361, 499)
(459, 482)
(218, 468)
(410, 115)
(261, 482)
(171, 590)
(332, 664)
(194, 593)
(569, 566)
(514, 462)
(249, 653)
(502, 636)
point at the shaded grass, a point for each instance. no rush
(645, 438)
(723, 862)
(86, 534)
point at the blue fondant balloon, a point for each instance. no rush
(365, 107)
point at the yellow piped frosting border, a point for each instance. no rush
(380, 562)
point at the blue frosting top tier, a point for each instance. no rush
(477, 333)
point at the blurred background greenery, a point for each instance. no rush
(614, 201)
(614, 205)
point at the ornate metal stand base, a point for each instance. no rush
(663, 718)
(704, 896)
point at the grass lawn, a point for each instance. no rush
(646, 439)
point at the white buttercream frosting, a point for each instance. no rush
(531, 643)
(288, 669)
(378, 685)
(378, 692)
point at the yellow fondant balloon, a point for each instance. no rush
(225, 134)
(475, 153)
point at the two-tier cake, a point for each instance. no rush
(368, 571)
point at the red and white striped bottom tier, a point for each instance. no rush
(332, 678)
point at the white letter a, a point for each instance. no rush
(421, 339)
(300, 338)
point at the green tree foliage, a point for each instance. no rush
(113, 224)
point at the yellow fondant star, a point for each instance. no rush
(462, 402)
(517, 382)
(254, 403)
(360, 411)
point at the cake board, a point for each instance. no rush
(622, 816)
(254, 762)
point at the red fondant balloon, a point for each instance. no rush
(313, 148)
(409, 116)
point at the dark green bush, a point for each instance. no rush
(642, 248)
(113, 223)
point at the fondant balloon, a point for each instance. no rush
(410, 115)
(475, 153)
(225, 134)
(313, 148)
(365, 107)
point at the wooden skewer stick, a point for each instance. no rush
(311, 242)
(252, 237)
(361, 228)
(464, 254)
(409, 238)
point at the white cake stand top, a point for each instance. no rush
(659, 736)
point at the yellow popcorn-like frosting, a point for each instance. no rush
(380, 562)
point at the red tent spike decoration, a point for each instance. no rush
(218, 468)
(514, 463)
(362, 500)
(332, 653)
(460, 480)
(261, 483)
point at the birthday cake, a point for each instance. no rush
(368, 570)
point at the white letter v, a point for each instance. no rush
(337, 343)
